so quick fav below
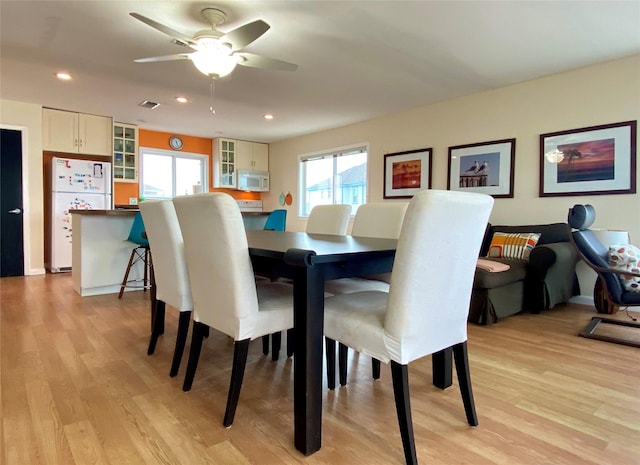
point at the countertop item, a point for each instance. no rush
(132, 212)
(114, 212)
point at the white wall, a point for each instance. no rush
(28, 117)
(599, 94)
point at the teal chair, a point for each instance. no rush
(276, 221)
(139, 253)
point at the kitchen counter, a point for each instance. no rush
(100, 250)
(116, 212)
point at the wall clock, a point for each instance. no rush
(175, 142)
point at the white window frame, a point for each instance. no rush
(204, 181)
(335, 153)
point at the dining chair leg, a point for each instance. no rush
(290, 344)
(265, 344)
(400, 378)
(240, 351)
(330, 355)
(158, 325)
(276, 344)
(375, 368)
(442, 368)
(343, 352)
(199, 330)
(461, 358)
(181, 339)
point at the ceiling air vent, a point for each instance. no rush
(148, 104)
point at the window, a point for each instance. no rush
(166, 174)
(336, 176)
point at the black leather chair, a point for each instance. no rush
(609, 294)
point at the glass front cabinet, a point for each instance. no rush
(125, 152)
(224, 154)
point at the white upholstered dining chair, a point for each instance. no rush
(329, 219)
(169, 273)
(323, 219)
(225, 294)
(426, 308)
(376, 219)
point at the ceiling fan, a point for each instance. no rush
(216, 53)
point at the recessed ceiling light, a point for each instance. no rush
(182, 99)
(268, 116)
(63, 76)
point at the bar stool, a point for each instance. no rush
(139, 253)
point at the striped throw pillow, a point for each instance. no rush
(512, 245)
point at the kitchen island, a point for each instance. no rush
(100, 250)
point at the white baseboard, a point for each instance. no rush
(35, 271)
(582, 300)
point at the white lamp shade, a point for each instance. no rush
(554, 156)
(212, 58)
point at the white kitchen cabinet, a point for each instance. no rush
(224, 163)
(67, 131)
(252, 156)
(125, 152)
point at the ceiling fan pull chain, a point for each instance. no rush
(212, 90)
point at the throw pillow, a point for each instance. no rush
(626, 258)
(512, 245)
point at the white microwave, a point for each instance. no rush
(256, 181)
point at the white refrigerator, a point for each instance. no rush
(79, 185)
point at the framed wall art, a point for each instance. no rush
(587, 161)
(406, 173)
(485, 167)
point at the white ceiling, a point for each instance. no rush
(357, 59)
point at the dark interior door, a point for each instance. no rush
(11, 232)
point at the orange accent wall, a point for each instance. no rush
(160, 140)
(122, 191)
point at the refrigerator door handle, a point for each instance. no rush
(15, 211)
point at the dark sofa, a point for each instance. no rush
(547, 278)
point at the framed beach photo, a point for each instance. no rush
(594, 160)
(406, 173)
(485, 167)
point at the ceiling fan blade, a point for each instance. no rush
(166, 30)
(178, 56)
(258, 61)
(242, 36)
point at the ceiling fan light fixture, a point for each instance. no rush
(213, 58)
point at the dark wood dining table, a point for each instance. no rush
(309, 260)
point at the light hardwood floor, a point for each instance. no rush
(78, 388)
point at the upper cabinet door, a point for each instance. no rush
(244, 156)
(59, 131)
(260, 157)
(125, 152)
(224, 163)
(95, 134)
